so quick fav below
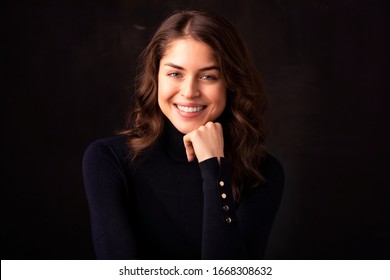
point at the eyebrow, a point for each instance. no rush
(182, 68)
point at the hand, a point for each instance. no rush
(205, 142)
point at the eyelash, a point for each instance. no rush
(174, 74)
(205, 77)
(209, 77)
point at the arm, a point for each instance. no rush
(259, 207)
(229, 233)
(106, 189)
(238, 233)
(221, 237)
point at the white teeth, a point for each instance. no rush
(189, 109)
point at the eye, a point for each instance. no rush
(208, 77)
(175, 75)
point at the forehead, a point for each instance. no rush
(188, 49)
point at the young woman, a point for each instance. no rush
(190, 177)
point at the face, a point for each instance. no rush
(191, 89)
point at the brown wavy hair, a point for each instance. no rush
(244, 128)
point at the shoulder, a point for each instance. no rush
(105, 167)
(114, 147)
(272, 165)
(268, 195)
(273, 172)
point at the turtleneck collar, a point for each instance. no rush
(172, 141)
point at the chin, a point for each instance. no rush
(186, 128)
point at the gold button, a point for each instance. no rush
(226, 208)
(222, 183)
(223, 195)
(228, 220)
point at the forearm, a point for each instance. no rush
(221, 233)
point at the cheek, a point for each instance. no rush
(162, 92)
(220, 98)
(165, 90)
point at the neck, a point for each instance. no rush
(172, 141)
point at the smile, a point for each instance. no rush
(190, 109)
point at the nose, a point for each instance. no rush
(190, 89)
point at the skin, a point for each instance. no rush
(192, 95)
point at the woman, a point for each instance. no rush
(190, 177)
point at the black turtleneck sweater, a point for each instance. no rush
(160, 206)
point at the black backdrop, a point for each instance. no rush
(69, 67)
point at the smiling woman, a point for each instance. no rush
(189, 178)
(191, 89)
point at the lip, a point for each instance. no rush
(189, 104)
(189, 115)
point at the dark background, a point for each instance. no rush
(69, 67)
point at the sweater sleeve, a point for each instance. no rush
(221, 237)
(105, 187)
(230, 233)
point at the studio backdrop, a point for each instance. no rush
(69, 69)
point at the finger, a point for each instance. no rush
(189, 148)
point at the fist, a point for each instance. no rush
(205, 142)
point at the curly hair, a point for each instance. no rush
(244, 128)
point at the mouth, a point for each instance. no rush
(190, 109)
